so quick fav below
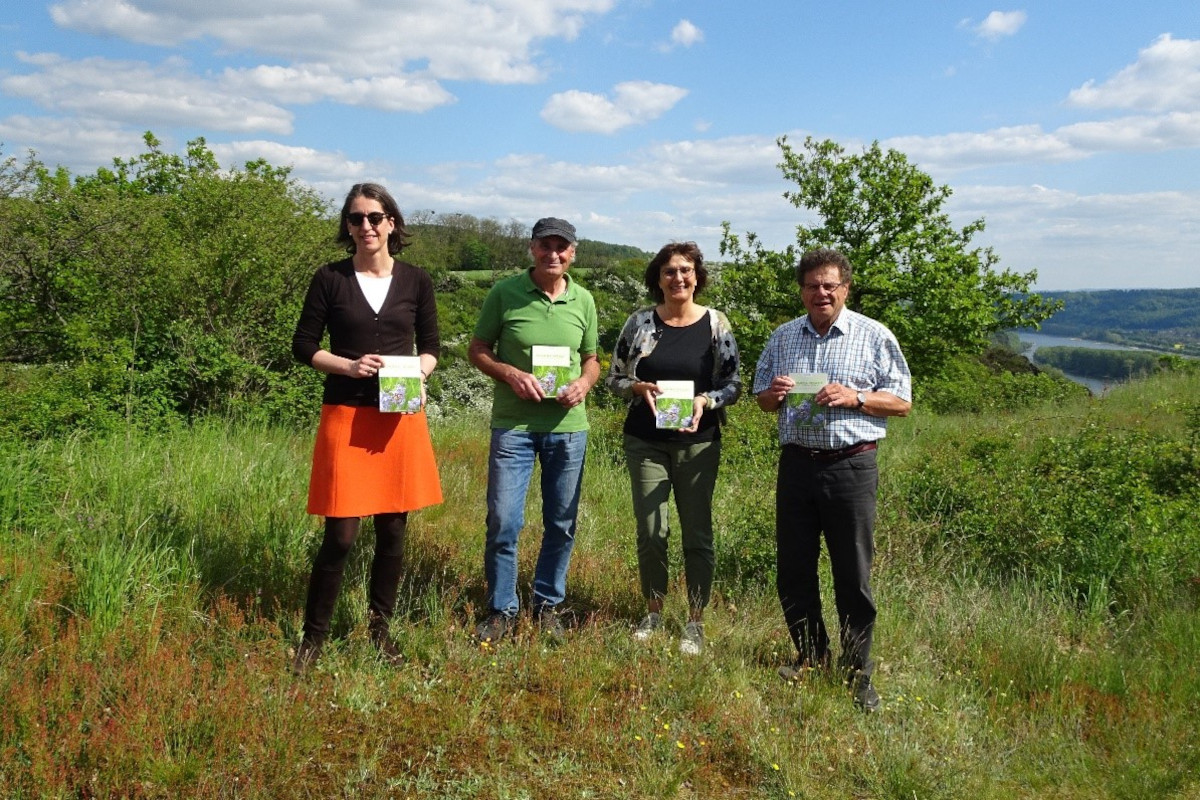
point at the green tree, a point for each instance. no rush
(913, 270)
(173, 283)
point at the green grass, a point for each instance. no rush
(151, 589)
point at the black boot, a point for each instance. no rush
(381, 636)
(324, 584)
(386, 568)
(307, 654)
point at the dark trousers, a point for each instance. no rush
(330, 564)
(837, 500)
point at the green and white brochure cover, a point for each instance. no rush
(400, 385)
(802, 409)
(674, 405)
(552, 368)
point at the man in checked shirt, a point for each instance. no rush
(851, 367)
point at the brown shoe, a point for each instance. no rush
(385, 645)
(306, 655)
(804, 668)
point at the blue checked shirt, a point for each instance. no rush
(857, 352)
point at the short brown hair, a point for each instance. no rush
(820, 257)
(690, 251)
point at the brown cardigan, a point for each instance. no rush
(335, 302)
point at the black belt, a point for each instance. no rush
(834, 455)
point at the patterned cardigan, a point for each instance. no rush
(638, 339)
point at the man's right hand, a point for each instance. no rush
(525, 386)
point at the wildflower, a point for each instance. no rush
(679, 744)
(775, 767)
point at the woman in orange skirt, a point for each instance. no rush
(366, 462)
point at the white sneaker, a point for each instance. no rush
(647, 627)
(692, 642)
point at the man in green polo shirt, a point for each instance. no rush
(537, 414)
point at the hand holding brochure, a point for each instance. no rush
(802, 409)
(674, 405)
(552, 368)
(400, 384)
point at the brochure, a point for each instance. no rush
(674, 404)
(802, 409)
(552, 368)
(400, 384)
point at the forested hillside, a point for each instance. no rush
(1163, 319)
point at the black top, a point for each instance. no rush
(335, 302)
(681, 354)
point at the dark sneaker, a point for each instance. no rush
(550, 623)
(495, 627)
(647, 627)
(306, 655)
(865, 696)
(381, 637)
(692, 641)
(386, 647)
(805, 668)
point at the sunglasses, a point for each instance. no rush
(356, 218)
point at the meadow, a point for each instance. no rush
(1038, 576)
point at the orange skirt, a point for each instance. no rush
(366, 462)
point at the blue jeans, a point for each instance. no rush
(510, 468)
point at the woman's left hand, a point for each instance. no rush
(699, 403)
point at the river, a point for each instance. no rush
(1036, 340)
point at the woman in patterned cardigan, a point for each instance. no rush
(675, 340)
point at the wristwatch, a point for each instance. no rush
(862, 399)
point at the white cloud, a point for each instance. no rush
(486, 40)
(732, 160)
(1000, 24)
(1019, 143)
(76, 143)
(311, 83)
(1136, 134)
(1033, 227)
(315, 165)
(685, 34)
(1029, 143)
(634, 103)
(1166, 76)
(142, 95)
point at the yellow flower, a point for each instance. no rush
(775, 767)
(679, 744)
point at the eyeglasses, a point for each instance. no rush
(828, 288)
(683, 272)
(356, 218)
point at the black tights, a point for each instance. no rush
(330, 565)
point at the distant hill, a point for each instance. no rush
(461, 242)
(1163, 319)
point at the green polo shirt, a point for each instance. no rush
(515, 316)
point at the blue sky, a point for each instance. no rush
(1073, 130)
